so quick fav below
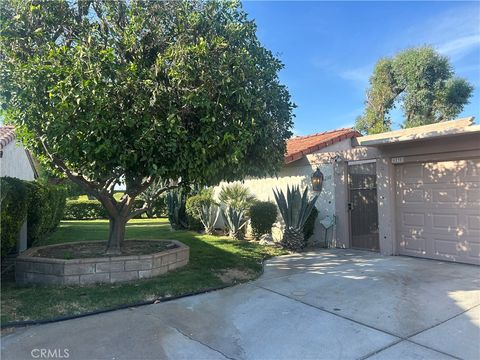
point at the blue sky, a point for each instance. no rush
(329, 50)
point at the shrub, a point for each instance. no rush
(309, 227)
(202, 211)
(84, 210)
(46, 205)
(262, 216)
(14, 202)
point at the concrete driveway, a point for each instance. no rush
(336, 304)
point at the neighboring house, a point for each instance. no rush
(15, 161)
(408, 192)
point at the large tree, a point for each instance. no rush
(132, 91)
(421, 82)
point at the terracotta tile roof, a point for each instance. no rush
(300, 146)
(7, 134)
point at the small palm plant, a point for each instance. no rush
(236, 196)
(235, 221)
(295, 209)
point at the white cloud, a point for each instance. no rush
(454, 33)
(359, 75)
(459, 47)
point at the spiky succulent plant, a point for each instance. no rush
(295, 209)
(235, 221)
(208, 214)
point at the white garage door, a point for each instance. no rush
(438, 210)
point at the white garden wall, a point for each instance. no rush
(299, 173)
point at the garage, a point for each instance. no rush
(438, 210)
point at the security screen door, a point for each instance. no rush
(363, 207)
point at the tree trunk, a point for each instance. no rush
(116, 235)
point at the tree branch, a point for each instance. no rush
(148, 203)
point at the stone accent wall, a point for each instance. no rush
(30, 269)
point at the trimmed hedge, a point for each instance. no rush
(84, 210)
(45, 209)
(263, 215)
(90, 210)
(41, 204)
(13, 211)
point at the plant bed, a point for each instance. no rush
(83, 263)
(210, 257)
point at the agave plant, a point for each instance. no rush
(295, 209)
(208, 215)
(234, 221)
(176, 209)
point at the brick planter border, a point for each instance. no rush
(30, 269)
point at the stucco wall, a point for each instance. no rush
(14, 162)
(299, 173)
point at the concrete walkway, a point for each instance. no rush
(336, 304)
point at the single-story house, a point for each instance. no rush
(17, 162)
(409, 192)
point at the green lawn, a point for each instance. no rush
(210, 257)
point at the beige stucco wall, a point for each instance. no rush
(14, 162)
(299, 173)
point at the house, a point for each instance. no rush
(409, 192)
(17, 162)
(299, 165)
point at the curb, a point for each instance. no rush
(18, 324)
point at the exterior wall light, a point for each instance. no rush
(317, 180)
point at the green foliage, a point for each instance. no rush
(73, 190)
(13, 212)
(309, 226)
(41, 204)
(295, 209)
(177, 216)
(235, 222)
(419, 80)
(46, 206)
(109, 91)
(201, 211)
(263, 215)
(155, 199)
(236, 196)
(84, 210)
(141, 88)
(195, 202)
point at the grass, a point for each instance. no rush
(211, 258)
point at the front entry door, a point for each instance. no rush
(363, 207)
